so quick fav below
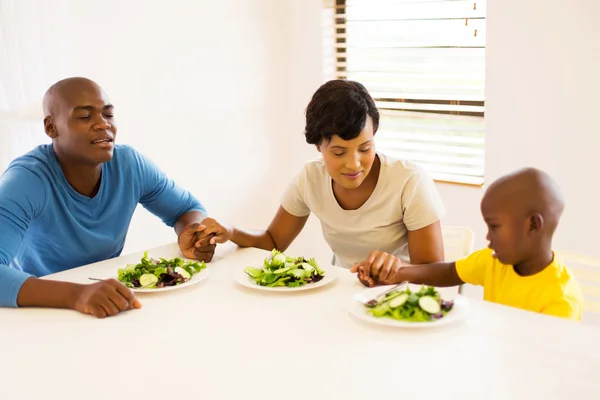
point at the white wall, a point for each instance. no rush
(542, 81)
(215, 92)
(198, 87)
(542, 84)
(543, 60)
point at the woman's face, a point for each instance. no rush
(349, 162)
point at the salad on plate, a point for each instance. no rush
(159, 273)
(281, 270)
(425, 305)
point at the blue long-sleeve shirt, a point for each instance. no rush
(47, 227)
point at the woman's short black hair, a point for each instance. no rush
(339, 107)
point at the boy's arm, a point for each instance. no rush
(566, 307)
(381, 268)
(441, 274)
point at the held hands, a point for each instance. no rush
(380, 268)
(105, 299)
(198, 241)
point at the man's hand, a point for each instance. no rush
(198, 241)
(105, 299)
(380, 268)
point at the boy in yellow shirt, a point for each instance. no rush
(518, 268)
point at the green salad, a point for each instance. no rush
(281, 270)
(153, 273)
(405, 305)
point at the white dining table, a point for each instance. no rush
(220, 340)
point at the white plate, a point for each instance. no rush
(358, 310)
(200, 276)
(243, 279)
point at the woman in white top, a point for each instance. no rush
(365, 200)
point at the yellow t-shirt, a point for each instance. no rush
(553, 291)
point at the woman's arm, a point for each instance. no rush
(426, 245)
(282, 231)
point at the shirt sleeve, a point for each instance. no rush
(293, 199)
(421, 202)
(161, 195)
(472, 269)
(21, 200)
(566, 307)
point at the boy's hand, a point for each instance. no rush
(105, 299)
(380, 268)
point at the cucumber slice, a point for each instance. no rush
(179, 270)
(399, 300)
(429, 305)
(393, 295)
(148, 280)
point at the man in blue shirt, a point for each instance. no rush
(70, 203)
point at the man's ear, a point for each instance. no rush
(50, 128)
(536, 223)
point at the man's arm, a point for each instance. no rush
(173, 204)
(163, 197)
(187, 219)
(22, 195)
(22, 198)
(101, 299)
(191, 232)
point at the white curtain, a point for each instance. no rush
(35, 51)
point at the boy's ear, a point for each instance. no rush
(536, 223)
(318, 146)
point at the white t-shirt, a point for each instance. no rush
(404, 199)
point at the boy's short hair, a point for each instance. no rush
(339, 107)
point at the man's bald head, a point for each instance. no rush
(526, 192)
(80, 121)
(65, 90)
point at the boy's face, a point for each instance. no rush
(507, 230)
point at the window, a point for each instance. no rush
(423, 61)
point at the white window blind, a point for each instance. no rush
(424, 63)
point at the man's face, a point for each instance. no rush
(82, 125)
